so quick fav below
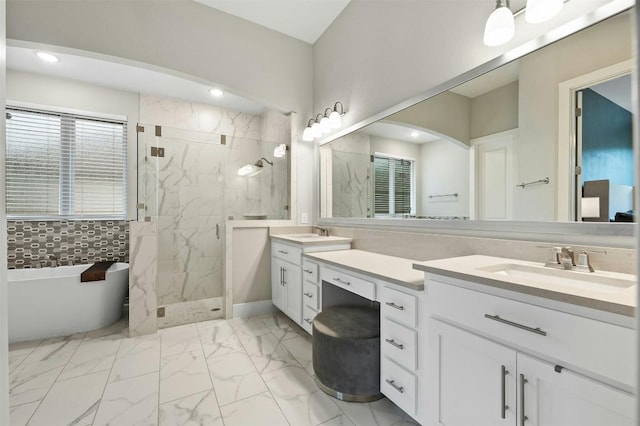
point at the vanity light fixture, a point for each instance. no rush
(280, 151)
(538, 11)
(500, 26)
(323, 123)
(48, 57)
(216, 93)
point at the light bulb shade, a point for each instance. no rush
(335, 121)
(281, 150)
(500, 27)
(315, 130)
(307, 135)
(542, 10)
(249, 170)
(324, 125)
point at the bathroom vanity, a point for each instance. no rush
(287, 270)
(480, 340)
(516, 343)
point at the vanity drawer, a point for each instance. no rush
(308, 314)
(310, 271)
(398, 385)
(399, 306)
(359, 286)
(286, 252)
(569, 340)
(310, 295)
(399, 343)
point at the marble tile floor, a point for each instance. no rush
(240, 372)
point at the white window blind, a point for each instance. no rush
(65, 165)
(394, 183)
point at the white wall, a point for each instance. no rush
(412, 46)
(445, 170)
(4, 308)
(54, 92)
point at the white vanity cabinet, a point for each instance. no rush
(494, 361)
(290, 275)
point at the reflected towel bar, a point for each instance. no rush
(455, 194)
(523, 184)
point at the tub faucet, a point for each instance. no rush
(54, 261)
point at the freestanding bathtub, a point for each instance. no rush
(51, 302)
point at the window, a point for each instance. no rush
(394, 185)
(65, 165)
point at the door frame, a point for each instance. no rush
(566, 189)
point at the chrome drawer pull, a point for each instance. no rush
(393, 305)
(393, 385)
(536, 330)
(393, 343)
(307, 320)
(503, 406)
(338, 280)
(308, 271)
(308, 295)
(283, 252)
(523, 418)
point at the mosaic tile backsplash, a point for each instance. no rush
(30, 243)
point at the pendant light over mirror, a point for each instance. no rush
(542, 10)
(500, 26)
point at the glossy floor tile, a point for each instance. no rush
(241, 372)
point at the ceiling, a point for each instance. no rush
(305, 20)
(126, 77)
(399, 132)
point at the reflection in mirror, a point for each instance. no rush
(546, 137)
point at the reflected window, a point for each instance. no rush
(394, 186)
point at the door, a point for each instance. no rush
(278, 292)
(552, 398)
(471, 379)
(494, 171)
(293, 288)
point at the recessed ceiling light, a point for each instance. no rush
(47, 57)
(415, 134)
(216, 92)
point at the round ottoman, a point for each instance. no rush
(346, 353)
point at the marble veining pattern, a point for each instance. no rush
(195, 188)
(143, 278)
(209, 373)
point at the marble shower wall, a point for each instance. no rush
(194, 188)
(351, 176)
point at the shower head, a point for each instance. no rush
(253, 169)
(260, 164)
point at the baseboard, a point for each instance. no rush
(250, 309)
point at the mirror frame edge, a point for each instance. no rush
(592, 233)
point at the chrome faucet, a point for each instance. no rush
(565, 258)
(54, 261)
(323, 232)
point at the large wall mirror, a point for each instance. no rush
(546, 137)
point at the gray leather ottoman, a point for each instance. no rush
(346, 353)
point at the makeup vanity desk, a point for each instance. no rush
(358, 277)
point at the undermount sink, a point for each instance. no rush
(305, 236)
(595, 281)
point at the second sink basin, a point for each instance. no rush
(597, 281)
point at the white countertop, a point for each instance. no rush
(396, 270)
(616, 300)
(310, 239)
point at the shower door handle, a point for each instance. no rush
(217, 230)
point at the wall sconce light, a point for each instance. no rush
(324, 123)
(254, 169)
(280, 151)
(500, 26)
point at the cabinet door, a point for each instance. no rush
(549, 398)
(293, 290)
(471, 380)
(278, 294)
